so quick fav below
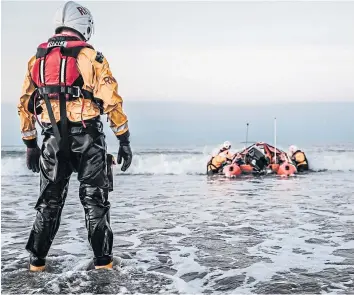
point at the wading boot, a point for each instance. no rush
(107, 266)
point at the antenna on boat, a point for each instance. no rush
(275, 140)
(247, 135)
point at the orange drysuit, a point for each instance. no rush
(97, 78)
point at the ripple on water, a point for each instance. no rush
(189, 234)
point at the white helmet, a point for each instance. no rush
(227, 145)
(76, 17)
(292, 149)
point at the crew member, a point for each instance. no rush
(225, 150)
(299, 158)
(220, 159)
(69, 85)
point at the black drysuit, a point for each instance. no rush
(87, 157)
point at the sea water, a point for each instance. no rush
(178, 231)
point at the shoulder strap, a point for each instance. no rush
(70, 46)
(42, 50)
(52, 119)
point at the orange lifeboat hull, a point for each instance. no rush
(286, 169)
(246, 168)
(232, 170)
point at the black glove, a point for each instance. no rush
(33, 155)
(124, 151)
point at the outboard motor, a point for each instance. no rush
(256, 159)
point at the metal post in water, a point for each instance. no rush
(247, 135)
(275, 140)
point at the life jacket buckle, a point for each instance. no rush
(78, 91)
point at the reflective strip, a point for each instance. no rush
(29, 133)
(62, 70)
(41, 71)
(120, 128)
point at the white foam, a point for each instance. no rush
(193, 161)
(331, 161)
(168, 164)
(186, 265)
(73, 247)
(14, 167)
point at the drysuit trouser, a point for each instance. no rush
(87, 157)
(302, 167)
(212, 170)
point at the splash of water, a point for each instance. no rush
(188, 161)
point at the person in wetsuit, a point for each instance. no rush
(220, 159)
(69, 85)
(299, 158)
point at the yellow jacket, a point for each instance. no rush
(300, 158)
(97, 78)
(217, 161)
(227, 154)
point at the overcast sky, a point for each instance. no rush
(202, 51)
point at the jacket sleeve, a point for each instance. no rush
(27, 120)
(230, 156)
(98, 76)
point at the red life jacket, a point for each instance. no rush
(56, 76)
(55, 70)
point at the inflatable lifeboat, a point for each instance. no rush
(260, 159)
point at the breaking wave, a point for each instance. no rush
(186, 161)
